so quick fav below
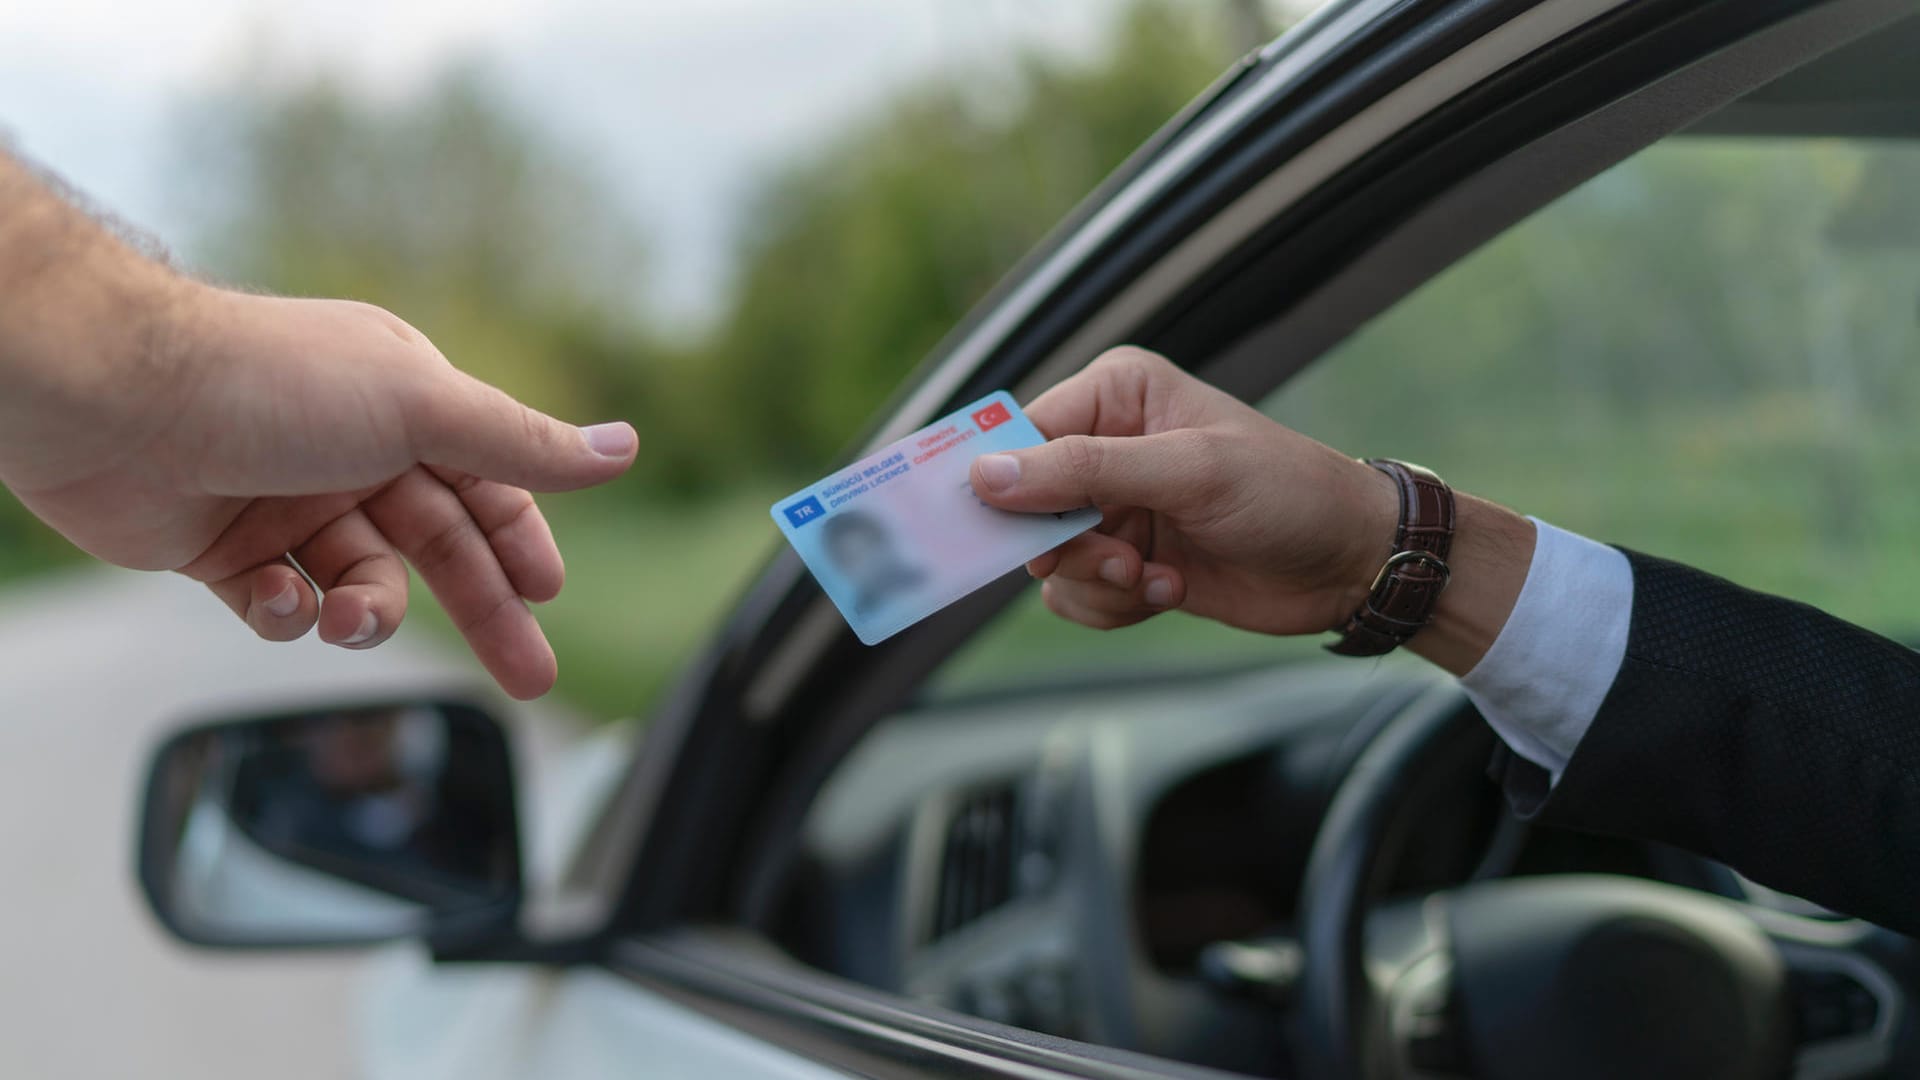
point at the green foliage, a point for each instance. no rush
(860, 258)
(450, 208)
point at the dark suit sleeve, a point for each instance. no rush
(1758, 731)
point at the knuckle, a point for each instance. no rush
(462, 483)
(382, 568)
(514, 519)
(1061, 598)
(1054, 595)
(445, 546)
(470, 622)
(391, 323)
(1133, 360)
(1080, 457)
(1050, 597)
(433, 406)
(538, 432)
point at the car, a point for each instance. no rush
(1546, 242)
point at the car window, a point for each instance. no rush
(1710, 352)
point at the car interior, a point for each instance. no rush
(1111, 838)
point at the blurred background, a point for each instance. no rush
(738, 224)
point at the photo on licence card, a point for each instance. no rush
(900, 534)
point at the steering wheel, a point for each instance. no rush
(1571, 976)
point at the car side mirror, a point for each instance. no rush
(334, 826)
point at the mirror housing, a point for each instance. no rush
(334, 826)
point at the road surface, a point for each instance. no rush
(94, 666)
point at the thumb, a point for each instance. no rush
(468, 425)
(1147, 471)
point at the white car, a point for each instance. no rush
(965, 853)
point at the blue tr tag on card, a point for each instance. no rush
(900, 534)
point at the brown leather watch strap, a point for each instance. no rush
(1408, 586)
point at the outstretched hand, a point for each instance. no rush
(1213, 508)
(259, 432)
(1209, 506)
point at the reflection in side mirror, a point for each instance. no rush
(333, 826)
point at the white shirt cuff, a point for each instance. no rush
(1541, 684)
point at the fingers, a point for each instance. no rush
(1129, 429)
(430, 525)
(1152, 472)
(1108, 607)
(1101, 581)
(482, 547)
(1091, 556)
(272, 598)
(461, 423)
(516, 530)
(1107, 397)
(266, 529)
(363, 578)
(1074, 605)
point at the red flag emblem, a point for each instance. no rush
(992, 416)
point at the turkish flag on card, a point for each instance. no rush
(991, 416)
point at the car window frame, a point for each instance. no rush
(783, 631)
(1463, 215)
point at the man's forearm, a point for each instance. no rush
(81, 317)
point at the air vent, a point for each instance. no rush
(981, 855)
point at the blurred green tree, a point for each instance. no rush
(450, 207)
(861, 256)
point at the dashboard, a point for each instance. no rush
(1064, 859)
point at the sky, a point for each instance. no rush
(680, 103)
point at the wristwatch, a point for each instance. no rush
(1408, 587)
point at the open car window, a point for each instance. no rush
(1710, 352)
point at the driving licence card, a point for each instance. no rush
(900, 534)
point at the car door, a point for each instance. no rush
(1324, 179)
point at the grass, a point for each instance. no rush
(646, 585)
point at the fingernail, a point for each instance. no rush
(999, 471)
(285, 604)
(1114, 572)
(614, 440)
(369, 625)
(1159, 592)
